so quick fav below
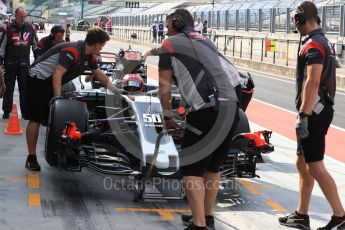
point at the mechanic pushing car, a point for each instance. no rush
(316, 87)
(60, 64)
(192, 62)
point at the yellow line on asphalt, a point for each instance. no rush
(275, 205)
(255, 189)
(249, 186)
(33, 180)
(165, 214)
(34, 200)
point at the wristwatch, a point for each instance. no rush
(302, 115)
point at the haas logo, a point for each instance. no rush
(19, 40)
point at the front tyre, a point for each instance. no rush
(62, 111)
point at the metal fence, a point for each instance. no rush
(275, 51)
(272, 20)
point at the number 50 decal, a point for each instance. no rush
(152, 118)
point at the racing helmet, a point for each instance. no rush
(132, 82)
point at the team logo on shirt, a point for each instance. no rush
(20, 40)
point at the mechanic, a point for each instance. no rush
(101, 23)
(316, 87)
(192, 61)
(55, 37)
(60, 64)
(68, 32)
(3, 29)
(15, 56)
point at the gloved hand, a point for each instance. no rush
(302, 127)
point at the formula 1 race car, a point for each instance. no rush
(124, 135)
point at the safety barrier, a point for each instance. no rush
(263, 49)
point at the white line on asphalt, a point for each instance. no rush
(268, 75)
(277, 78)
(275, 106)
(294, 113)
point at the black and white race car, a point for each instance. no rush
(124, 135)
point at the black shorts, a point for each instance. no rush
(199, 147)
(313, 147)
(39, 93)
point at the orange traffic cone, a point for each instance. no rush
(13, 126)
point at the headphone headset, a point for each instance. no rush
(177, 22)
(56, 29)
(299, 17)
(179, 25)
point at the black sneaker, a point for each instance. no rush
(341, 227)
(188, 220)
(6, 116)
(32, 164)
(194, 227)
(336, 221)
(295, 220)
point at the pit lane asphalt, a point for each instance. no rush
(54, 199)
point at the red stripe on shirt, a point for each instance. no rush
(41, 44)
(316, 45)
(167, 46)
(74, 51)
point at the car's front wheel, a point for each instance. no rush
(62, 111)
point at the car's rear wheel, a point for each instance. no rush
(62, 111)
